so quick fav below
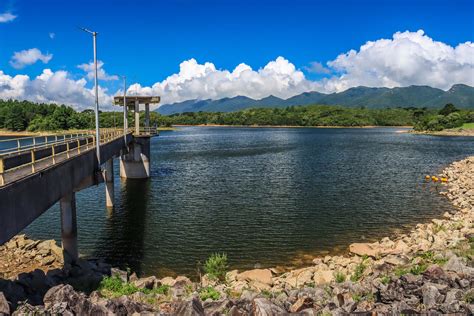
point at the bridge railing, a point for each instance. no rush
(27, 157)
(148, 131)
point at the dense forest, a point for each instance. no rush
(24, 115)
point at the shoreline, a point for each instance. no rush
(449, 132)
(431, 265)
(286, 126)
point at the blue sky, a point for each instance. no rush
(147, 40)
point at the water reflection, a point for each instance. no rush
(124, 240)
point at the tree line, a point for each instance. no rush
(24, 115)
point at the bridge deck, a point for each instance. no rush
(27, 155)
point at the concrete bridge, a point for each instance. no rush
(37, 172)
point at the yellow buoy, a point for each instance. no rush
(435, 179)
(444, 179)
(427, 177)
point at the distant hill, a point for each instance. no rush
(413, 96)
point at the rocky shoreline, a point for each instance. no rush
(429, 270)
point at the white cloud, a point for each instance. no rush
(52, 35)
(51, 87)
(204, 81)
(29, 57)
(317, 68)
(409, 58)
(101, 74)
(7, 17)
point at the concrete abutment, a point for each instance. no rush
(135, 164)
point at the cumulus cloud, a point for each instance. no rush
(51, 87)
(101, 74)
(409, 58)
(205, 81)
(317, 68)
(52, 35)
(7, 17)
(28, 57)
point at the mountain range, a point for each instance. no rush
(460, 95)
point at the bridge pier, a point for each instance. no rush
(109, 183)
(69, 225)
(136, 163)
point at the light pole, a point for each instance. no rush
(96, 88)
(125, 118)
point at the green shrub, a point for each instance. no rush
(418, 269)
(209, 292)
(216, 266)
(359, 271)
(113, 286)
(385, 279)
(340, 277)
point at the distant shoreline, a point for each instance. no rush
(285, 126)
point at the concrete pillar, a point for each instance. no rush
(67, 205)
(136, 163)
(137, 117)
(147, 115)
(109, 182)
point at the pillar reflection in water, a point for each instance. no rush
(123, 243)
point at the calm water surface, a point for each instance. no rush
(264, 196)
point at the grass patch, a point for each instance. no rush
(340, 277)
(430, 257)
(385, 279)
(469, 297)
(209, 292)
(468, 126)
(437, 228)
(418, 269)
(216, 266)
(114, 287)
(359, 271)
(401, 271)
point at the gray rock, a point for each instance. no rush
(4, 307)
(145, 283)
(457, 265)
(189, 308)
(217, 307)
(125, 306)
(431, 295)
(64, 295)
(264, 307)
(119, 273)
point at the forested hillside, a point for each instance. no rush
(24, 115)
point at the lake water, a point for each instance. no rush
(265, 196)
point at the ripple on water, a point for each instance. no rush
(264, 196)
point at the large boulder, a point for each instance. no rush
(264, 307)
(189, 308)
(4, 307)
(456, 264)
(63, 297)
(260, 275)
(365, 249)
(322, 277)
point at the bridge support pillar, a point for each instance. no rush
(136, 163)
(69, 225)
(109, 183)
(137, 117)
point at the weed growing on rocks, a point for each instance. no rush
(216, 266)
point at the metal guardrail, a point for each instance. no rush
(35, 154)
(148, 131)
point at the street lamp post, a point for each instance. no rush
(96, 88)
(125, 118)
